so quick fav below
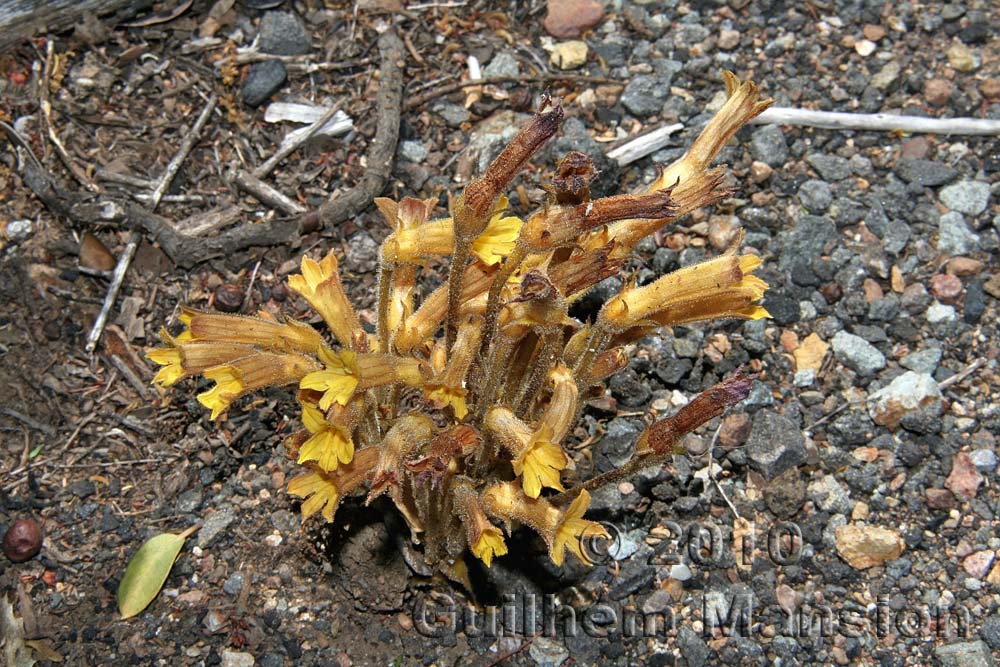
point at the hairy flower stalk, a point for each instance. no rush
(458, 405)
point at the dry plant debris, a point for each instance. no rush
(457, 407)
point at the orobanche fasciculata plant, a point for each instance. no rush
(456, 407)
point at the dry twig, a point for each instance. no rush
(133, 243)
(876, 122)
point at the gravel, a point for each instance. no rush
(968, 197)
(857, 354)
(775, 444)
(263, 80)
(283, 34)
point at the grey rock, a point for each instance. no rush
(828, 494)
(907, 393)
(925, 173)
(19, 230)
(897, 235)
(413, 151)
(645, 94)
(362, 254)
(939, 312)
(990, 631)
(886, 76)
(285, 522)
(282, 34)
(768, 145)
(657, 602)
(626, 545)
(965, 654)
(975, 302)
(693, 648)
(985, 460)
(263, 80)
(779, 45)
(784, 310)
(968, 197)
(234, 584)
(807, 238)
(453, 114)
(687, 35)
(629, 389)
(922, 361)
(272, 660)
(617, 445)
(830, 167)
(232, 658)
(502, 64)
(857, 354)
(190, 500)
(775, 444)
(815, 195)
(760, 396)
(215, 524)
(547, 652)
(804, 377)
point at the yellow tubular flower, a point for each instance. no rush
(485, 539)
(717, 288)
(573, 529)
(337, 380)
(170, 359)
(320, 285)
(489, 544)
(240, 376)
(319, 493)
(329, 444)
(498, 239)
(448, 386)
(227, 389)
(184, 359)
(431, 314)
(539, 465)
(537, 459)
(323, 491)
(263, 331)
(437, 237)
(693, 184)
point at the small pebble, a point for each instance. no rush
(946, 288)
(18, 230)
(865, 47)
(228, 298)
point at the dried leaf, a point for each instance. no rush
(147, 571)
(810, 353)
(44, 649)
(15, 652)
(161, 17)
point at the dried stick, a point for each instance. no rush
(383, 147)
(118, 277)
(640, 147)
(285, 150)
(419, 100)
(874, 122)
(266, 194)
(46, 107)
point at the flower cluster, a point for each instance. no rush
(457, 406)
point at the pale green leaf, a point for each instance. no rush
(147, 571)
